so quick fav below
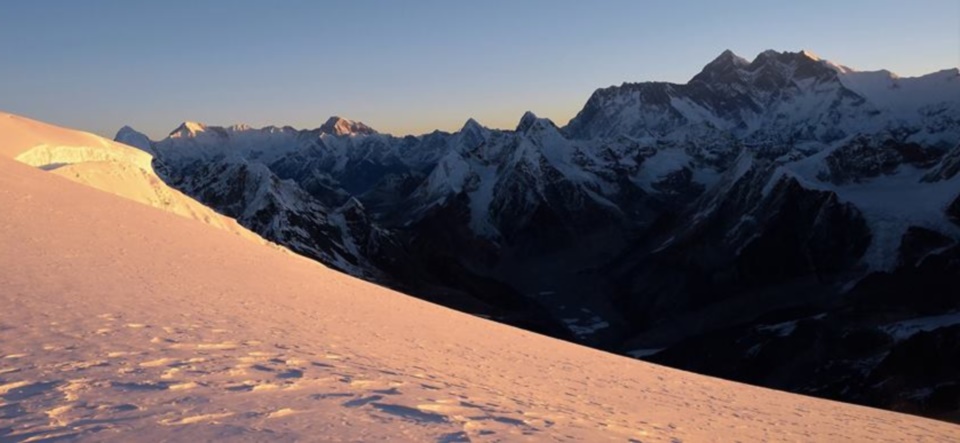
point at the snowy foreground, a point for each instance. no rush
(121, 322)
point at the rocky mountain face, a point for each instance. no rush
(785, 221)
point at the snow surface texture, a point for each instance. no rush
(125, 323)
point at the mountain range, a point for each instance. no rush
(788, 221)
(129, 318)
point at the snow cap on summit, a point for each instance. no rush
(473, 134)
(132, 137)
(127, 131)
(726, 56)
(188, 129)
(528, 119)
(810, 55)
(722, 67)
(471, 125)
(340, 126)
(769, 53)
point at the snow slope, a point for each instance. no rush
(904, 96)
(123, 323)
(103, 164)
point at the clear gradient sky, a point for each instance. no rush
(413, 66)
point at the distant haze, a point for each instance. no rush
(412, 67)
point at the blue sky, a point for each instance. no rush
(413, 66)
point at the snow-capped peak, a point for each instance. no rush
(188, 129)
(810, 55)
(769, 53)
(340, 126)
(473, 134)
(771, 56)
(127, 131)
(528, 119)
(132, 137)
(725, 65)
(729, 57)
(471, 125)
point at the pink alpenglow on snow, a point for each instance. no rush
(122, 322)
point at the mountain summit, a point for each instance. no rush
(341, 126)
(722, 69)
(188, 129)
